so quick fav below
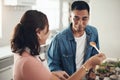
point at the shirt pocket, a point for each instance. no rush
(67, 59)
(67, 55)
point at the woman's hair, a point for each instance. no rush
(25, 32)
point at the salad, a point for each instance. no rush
(110, 69)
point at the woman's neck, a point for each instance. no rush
(26, 52)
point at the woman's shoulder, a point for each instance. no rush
(31, 61)
(26, 60)
(33, 69)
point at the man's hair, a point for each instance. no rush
(80, 5)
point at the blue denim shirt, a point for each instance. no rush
(62, 50)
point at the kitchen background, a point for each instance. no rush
(105, 15)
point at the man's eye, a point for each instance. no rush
(76, 18)
(84, 19)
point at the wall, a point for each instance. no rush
(10, 17)
(105, 15)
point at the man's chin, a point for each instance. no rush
(81, 30)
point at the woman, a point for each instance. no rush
(29, 34)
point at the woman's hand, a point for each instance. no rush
(97, 59)
(62, 75)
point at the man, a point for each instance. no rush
(70, 48)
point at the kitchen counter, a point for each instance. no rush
(6, 63)
(5, 52)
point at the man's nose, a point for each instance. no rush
(80, 22)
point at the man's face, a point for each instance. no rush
(79, 19)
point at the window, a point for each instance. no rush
(0, 19)
(51, 9)
(65, 12)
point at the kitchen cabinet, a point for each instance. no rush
(6, 73)
(6, 65)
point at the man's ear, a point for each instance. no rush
(70, 18)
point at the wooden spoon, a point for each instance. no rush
(93, 44)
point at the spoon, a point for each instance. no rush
(93, 44)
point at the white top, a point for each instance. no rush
(80, 50)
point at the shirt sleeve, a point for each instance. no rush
(53, 56)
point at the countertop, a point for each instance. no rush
(5, 52)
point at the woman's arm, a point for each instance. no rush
(81, 72)
(34, 70)
(93, 61)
